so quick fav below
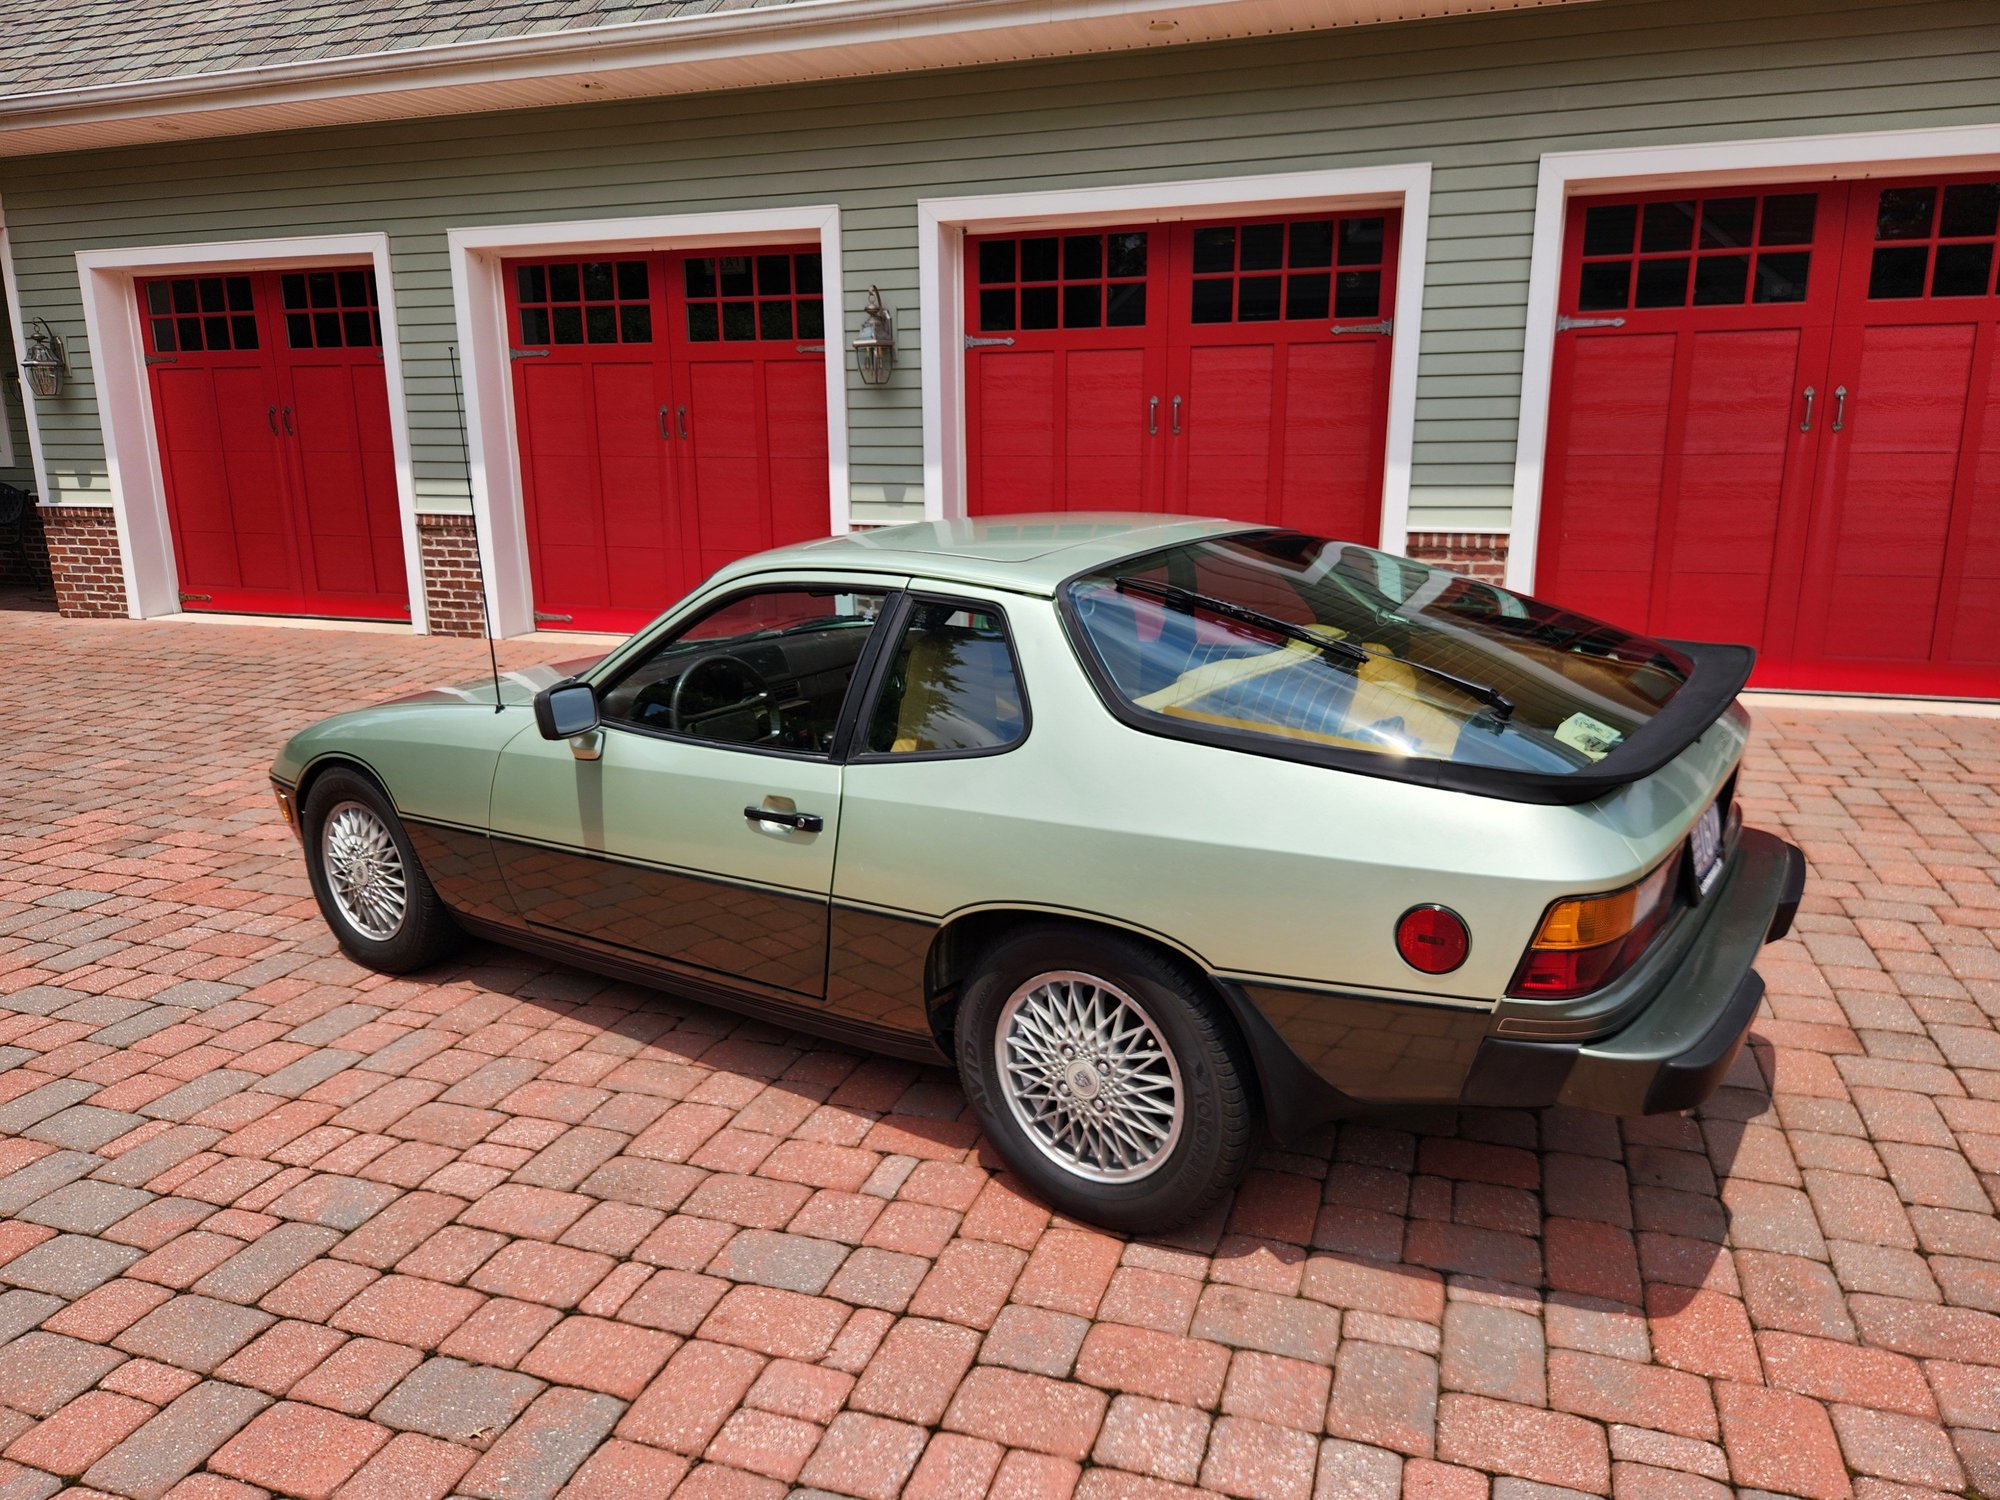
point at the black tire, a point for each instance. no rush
(1218, 1123)
(426, 932)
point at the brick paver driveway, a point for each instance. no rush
(274, 1223)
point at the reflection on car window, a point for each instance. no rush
(951, 687)
(769, 669)
(1429, 665)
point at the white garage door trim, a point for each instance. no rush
(943, 223)
(125, 407)
(1569, 174)
(480, 304)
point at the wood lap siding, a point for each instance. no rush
(1480, 97)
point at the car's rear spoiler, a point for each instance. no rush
(1719, 674)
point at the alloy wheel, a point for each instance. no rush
(1089, 1077)
(364, 871)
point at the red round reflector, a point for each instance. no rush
(1432, 939)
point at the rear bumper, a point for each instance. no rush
(1675, 1052)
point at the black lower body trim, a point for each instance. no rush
(798, 1015)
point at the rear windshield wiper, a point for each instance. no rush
(1187, 601)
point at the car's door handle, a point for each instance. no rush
(804, 822)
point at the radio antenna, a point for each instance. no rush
(478, 556)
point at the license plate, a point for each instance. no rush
(1705, 848)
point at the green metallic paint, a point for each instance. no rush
(1282, 879)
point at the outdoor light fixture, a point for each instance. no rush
(875, 345)
(44, 362)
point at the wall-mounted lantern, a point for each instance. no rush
(875, 344)
(44, 362)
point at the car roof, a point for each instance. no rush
(1028, 554)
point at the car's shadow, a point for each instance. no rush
(1602, 1226)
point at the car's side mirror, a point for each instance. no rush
(566, 710)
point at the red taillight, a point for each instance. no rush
(1432, 939)
(1585, 942)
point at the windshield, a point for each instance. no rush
(1325, 643)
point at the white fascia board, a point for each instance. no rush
(751, 47)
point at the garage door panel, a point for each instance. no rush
(1622, 596)
(1890, 517)
(1330, 400)
(1616, 396)
(1726, 518)
(1741, 399)
(1909, 396)
(1723, 606)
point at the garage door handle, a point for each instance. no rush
(1805, 424)
(804, 822)
(1153, 417)
(664, 434)
(681, 420)
(288, 420)
(271, 416)
(1839, 406)
(1177, 416)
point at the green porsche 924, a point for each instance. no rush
(1157, 828)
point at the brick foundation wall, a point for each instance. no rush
(28, 566)
(1478, 554)
(450, 555)
(83, 557)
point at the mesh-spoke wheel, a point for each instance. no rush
(1089, 1077)
(364, 871)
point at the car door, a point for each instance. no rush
(703, 831)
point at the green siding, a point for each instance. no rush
(1480, 97)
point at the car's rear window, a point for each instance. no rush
(1311, 642)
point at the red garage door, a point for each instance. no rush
(273, 422)
(672, 417)
(1775, 418)
(1238, 369)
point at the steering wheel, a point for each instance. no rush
(679, 717)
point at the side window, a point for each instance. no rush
(952, 685)
(768, 670)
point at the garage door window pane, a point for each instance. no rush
(1898, 272)
(600, 325)
(1361, 241)
(1125, 307)
(1212, 302)
(632, 281)
(567, 324)
(1726, 222)
(1662, 283)
(952, 688)
(1308, 298)
(774, 320)
(1605, 285)
(1312, 243)
(704, 323)
(1667, 226)
(1721, 280)
(1262, 247)
(1962, 271)
(1083, 306)
(1214, 250)
(163, 336)
(1083, 257)
(1782, 277)
(1905, 213)
(739, 322)
(1126, 254)
(1357, 294)
(1038, 259)
(1038, 307)
(1608, 228)
(699, 278)
(1788, 219)
(996, 261)
(1257, 299)
(774, 275)
(1970, 209)
(735, 276)
(811, 324)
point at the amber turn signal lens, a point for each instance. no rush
(1432, 939)
(1585, 942)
